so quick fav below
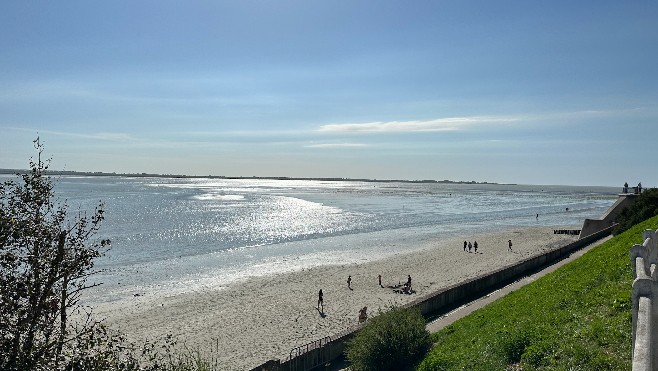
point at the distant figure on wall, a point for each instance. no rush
(639, 187)
(625, 187)
(509, 245)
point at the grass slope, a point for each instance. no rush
(576, 318)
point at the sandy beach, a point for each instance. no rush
(266, 317)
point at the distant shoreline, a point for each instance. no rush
(177, 176)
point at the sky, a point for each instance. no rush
(528, 92)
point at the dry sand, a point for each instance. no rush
(266, 317)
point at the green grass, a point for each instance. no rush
(576, 318)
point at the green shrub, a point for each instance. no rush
(644, 207)
(392, 340)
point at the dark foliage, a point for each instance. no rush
(45, 259)
(644, 207)
(393, 340)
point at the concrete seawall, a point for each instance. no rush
(318, 353)
(591, 226)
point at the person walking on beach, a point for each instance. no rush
(465, 243)
(349, 282)
(475, 246)
(380, 280)
(320, 301)
(470, 246)
(509, 245)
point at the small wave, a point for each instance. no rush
(216, 197)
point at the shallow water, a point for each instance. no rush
(174, 235)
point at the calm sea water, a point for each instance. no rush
(176, 235)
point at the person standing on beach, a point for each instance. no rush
(349, 282)
(380, 280)
(470, 246)
(475, 246)
(509, 245)
(320, 301)
(465, 243)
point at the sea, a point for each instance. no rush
(177, 235)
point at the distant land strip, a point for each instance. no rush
(147, 175)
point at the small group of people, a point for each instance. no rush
(638, 189)
(470, 246)
(363, 316)
(407, 285)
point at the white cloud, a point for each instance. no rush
(100, 136)
(337, 145)
(444, 124)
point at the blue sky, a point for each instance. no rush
(530, 92)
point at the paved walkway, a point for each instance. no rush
(476, 304)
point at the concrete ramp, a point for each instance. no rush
(591, 226)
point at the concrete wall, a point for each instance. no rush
(591, 226)
(644, 259)
(316, 355)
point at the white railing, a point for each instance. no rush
(644, 259)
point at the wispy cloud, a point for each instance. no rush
(337, 145)
(122, 137)
(443, 124)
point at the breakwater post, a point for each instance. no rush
(644, 259)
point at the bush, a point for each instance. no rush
(644, 207)
(392, 340)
